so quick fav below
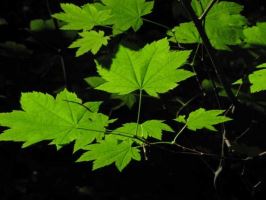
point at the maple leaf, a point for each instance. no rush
(150, 128)
(185, 33)
(258, 79)
(90, 41)
(61, 120)
(223, 25)
(153, 69)
(110, 151)
(255, 35)
(127, 13)
(82, 18)
(202, 118)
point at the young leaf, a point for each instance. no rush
(150, 128)
(82, 18)
(110, 151)
(255, 35)
(90, 41)
(202, 118)
(153, 69)
(258, 79)
(44, 118)
(185, 33)
(127, 13)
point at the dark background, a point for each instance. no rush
(41, 61)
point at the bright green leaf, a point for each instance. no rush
(44, 118)
(127, 13)
(90, 41)
(82, 18)
(110, 151)
(153, 69)
(202, 118)
(255, 35)
(150, 128)
(258, 79)
(185, 33)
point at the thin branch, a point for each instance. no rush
(156, 23)
(179, 132)
(205, 12)
(211, 52)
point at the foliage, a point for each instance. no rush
(201, 118)
(223, 25)
(151, 70)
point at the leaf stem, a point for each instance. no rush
(156, 23)
(210, 51)
(205, 12)
(179, 132)
(139, 108)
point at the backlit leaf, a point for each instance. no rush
(153, 69)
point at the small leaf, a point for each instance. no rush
(201, 118)
(127, 13)
(150, 128)
(110, 151)
(255, 35)
(181, 119)
(90, 41)
(258, 79)
(153, 69)
(81, 18)
(185, 33)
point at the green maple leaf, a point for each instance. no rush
(202, 118)
(82, 18)
(153, 69)
(223, 25)
(90, 41)
(127, 13)
(150, 128)
(258, 79)
(61, 120)
(185, 33)
(255, 35)
(110, 151)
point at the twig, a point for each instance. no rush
(211, 53)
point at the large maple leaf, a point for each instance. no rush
(154, 69)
